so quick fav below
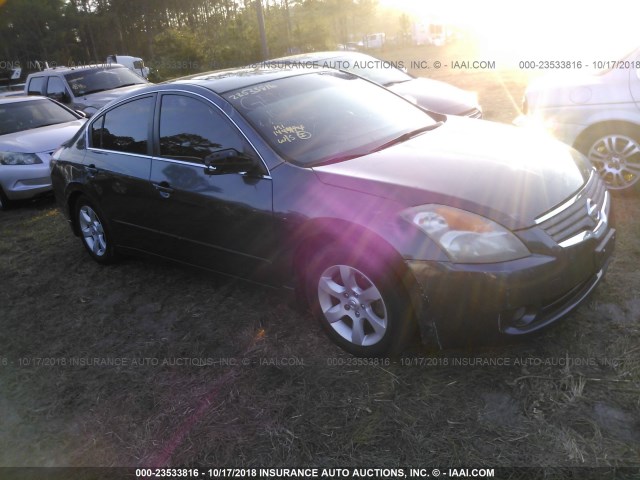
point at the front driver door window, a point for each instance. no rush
(222, 221)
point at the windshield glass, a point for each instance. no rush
(326, 117)
(87, 81)
(19, 116)
(371, 68)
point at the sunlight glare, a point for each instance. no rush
(557, 29)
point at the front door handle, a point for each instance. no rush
(164, 189)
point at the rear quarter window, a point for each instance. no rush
(35, 85)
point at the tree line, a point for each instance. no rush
(177, 37)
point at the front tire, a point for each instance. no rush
(359, 302)
(94, 232)
(614, 150)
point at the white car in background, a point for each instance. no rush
(31, 128)
(598, 114)
(135, 64)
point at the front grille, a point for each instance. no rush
(581, 217)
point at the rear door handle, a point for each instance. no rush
(163, 189)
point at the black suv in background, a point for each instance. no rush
(84, 89)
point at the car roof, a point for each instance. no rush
(63, 69)
(221, 81)
(22, 98)
(320, 56)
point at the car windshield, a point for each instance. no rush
(19, 116)
(327, 117)
(87, 81)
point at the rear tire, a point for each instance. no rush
(94, 232)
(359, 302)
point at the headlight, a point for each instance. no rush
(466, 237)
(16, 158)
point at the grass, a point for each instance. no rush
(165, 365)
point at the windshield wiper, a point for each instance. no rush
(406, 136)
(126, 85)
(97, 90)
(338, 159)
(395, 82)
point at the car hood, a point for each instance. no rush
(437, 96)
(100, 99)
(43, 139)
(504, 173)
(560, 90)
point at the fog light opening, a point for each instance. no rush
(521, 317)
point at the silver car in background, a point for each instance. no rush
(31, 128)
(598, 114)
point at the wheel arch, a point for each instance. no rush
(600, 127)
(73, 194)
(320, 232)
(315, 235)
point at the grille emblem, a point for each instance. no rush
(592, 210)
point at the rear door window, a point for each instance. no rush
(124, 128)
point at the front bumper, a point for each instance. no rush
(462, 303)
(20, 182)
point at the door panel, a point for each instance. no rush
(117, 166)
(223, 222)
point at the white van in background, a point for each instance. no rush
(133, 63)
(373, 41)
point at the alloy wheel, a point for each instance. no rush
(352, 305)
(92, 231)
(617, 159)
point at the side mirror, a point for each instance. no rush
(227, 160)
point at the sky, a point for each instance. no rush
(543, 27)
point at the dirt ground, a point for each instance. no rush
(151, 364)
